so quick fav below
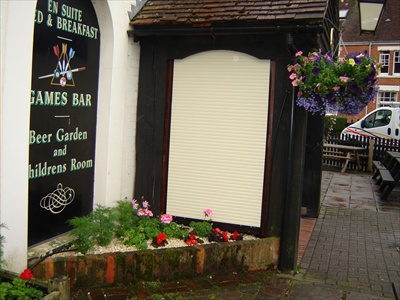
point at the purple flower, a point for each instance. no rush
(316, 71)
(354, 88)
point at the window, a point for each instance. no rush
(378, 119)
(384, 58)
(343, 13)
(386, 98)
(396, 62)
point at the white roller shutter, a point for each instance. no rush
(218, 137)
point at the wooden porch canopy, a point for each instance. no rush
(169, 30)
(169, 17)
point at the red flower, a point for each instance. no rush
(26, 274)
(191, 240)
(225, 236)
(234, 235)
(217, 231)
(161, 238)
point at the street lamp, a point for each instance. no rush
(370, 14)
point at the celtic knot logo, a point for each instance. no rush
(56, 201)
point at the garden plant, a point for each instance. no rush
(133, 224)
(19, 288)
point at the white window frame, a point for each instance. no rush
(396, 61)
(390, 97)
(384, 60)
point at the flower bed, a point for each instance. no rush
(133, 224)
(176, 251)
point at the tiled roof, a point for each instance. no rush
(206, 13)
(387, 30)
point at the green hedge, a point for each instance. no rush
(334, 124)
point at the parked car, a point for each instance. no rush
(383, 122)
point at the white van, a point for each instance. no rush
(383, 122)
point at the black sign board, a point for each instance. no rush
(63, 100)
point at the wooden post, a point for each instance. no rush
(60, 283)
(370, 154)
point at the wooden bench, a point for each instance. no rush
(343, 153)
(387, 174)
(377, 165)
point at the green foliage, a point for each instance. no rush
(201, 228)
(126, 217)
(334, 125)
(146, 229)
(19, 289)
(2, 239)
(173, 230)
(132, 223)
(151, 226)
(97, 228)
(136, 237)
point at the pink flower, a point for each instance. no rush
(166, 218)
(144, 212)
(207, 212)
(297, 66)
(299, 93)
(336, 88)
(135, 204)
(145, 204)
(292, 76)
(328, 57)
(296, 81)
(299, 53)
(343, 78)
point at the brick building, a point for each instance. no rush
(383, 45)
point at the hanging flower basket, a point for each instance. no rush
(345, 84)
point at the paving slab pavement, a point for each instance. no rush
(353, 252)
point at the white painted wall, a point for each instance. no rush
(16, 68)
(116, 120)
(116, 123)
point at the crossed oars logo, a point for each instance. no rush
(63, 72)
